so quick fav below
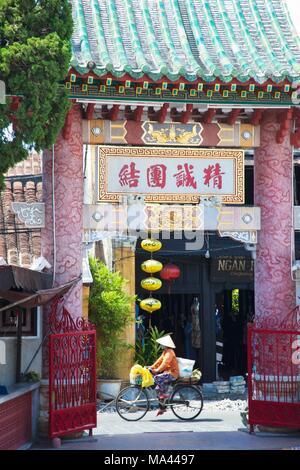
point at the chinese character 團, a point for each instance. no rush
(129, 176)
(156, 176)
(213, 172)
(185, 177)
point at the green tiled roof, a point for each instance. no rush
(193, 39)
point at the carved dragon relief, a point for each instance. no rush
(168, 133)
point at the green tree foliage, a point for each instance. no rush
(110, 309)
(35, 54)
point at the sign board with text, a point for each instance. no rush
(170, 175)
(232, 268)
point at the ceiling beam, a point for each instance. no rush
(138, 113)
(209, 115)
(234, 114)
(162, 113)
(89, 113)
(256, 117)
(285, 120)
(113, 113)
(185, 115)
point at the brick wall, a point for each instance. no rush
(15, 422)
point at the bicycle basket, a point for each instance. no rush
(193, 379)
(188, 380)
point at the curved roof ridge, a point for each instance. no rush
(186, 39)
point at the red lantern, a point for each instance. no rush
(169, 273)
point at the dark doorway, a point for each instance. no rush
(233, 310)
(176, 316)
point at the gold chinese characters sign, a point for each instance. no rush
(170, 175)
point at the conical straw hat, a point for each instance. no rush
(166, 341)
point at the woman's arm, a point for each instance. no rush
(165, 363)
(157, 363)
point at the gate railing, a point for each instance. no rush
(72, 374)
(274, 375)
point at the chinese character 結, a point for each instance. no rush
(129, 176)
(213, 172)
(156, 176)
(185, 177)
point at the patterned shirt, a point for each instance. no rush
(167, 363)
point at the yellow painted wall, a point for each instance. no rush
(85, 301)
(125, 263)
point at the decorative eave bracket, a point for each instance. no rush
(32, 215)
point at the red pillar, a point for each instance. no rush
(274, 287)
(68, 193)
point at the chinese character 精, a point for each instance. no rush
(213, 172)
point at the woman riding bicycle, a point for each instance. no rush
(165, 370)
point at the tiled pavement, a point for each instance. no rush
(112, 424)
(211, 431)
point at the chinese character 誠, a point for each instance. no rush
(185, 177)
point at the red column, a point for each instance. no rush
(68, 193)
(274, 287)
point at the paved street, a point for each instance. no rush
(211, 431)
(112, 424)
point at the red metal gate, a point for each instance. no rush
(274, 374)
(72, 375)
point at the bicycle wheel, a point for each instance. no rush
(186, 402)
(132, 403)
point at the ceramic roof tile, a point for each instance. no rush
(31, 166)
(18, 244)
(193, 39)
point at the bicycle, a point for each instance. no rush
(186, 401)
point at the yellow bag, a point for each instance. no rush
(135, 376)
(141, 376)
(148, 380)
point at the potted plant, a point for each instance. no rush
(110, 310)
(147, 350)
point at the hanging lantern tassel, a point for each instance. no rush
(169, 273)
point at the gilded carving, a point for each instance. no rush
(172, 133)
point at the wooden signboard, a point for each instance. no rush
(170, 175)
